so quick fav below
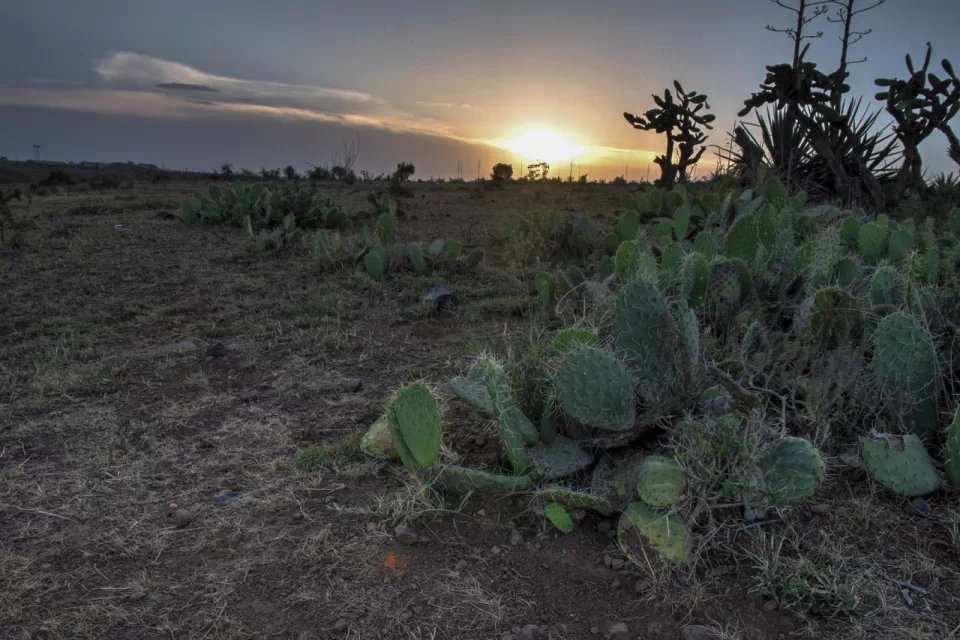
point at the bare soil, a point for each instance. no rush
(146, 366)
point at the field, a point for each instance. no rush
(147, 366)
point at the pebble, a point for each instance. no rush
(920, 507)
(516, 538)
(820, 509)
(353, 385)
(405, 535)
(217, 350)
(371, 527)
(770, 605)
(182, 518)
(697, 632)
(618, 631)
(594, 630)
(341, 625)
(226, 494)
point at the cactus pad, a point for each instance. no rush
(725, 290)
(514, 428)
(594, 388)
(641, 327)
(901, 464)
(377, 261)
(570, 338)
(415, 424)
(472, 389)
(461, 480)
(835, 317)
(792, 471)
(640, 527)
(560, 458)
(905, 365)
(660, 481)
(575, 499)
(558, 517)
(377, 442)
(951, 462)
(872, 242)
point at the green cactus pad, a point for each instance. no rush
(515, 429)
(641, 527)
(850, 232)
(905, 365)
(901, 464)
(951, 462)
(594, 388)
(415, 425)
(377, 442)
(472, 389)
(377, 261)
(706, 245)
(641, 327)
(792, 471)
(575, 499)
(725, 290)
(461, 480)
(849, 272)
(559, 458)
(473, 259)
(387, 228)
(681, 221)
(872, 242)
(623, 260)
(743, 239)
(884, 287)
(660, 481)
(694, 278)
(558, 517)
(899, 244)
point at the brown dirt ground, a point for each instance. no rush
(111, 409)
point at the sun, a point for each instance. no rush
(542, 143)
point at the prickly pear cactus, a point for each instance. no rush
(884, 288)
(725, 291)
(792, 471)
(623, 261)
(872, 242)
(594, 388)
(901, 464)
(899, 244)
(575, 499)
(641, 527)
(951, 461)
(472, 389)
(415, 424)
(462, 480)
(694, 278)
(514, 428)
(835, 317)
(559, 458)
(660, 481)
(377, 442)
(743, 239)
(642, 328)
(377, 261)
(905, 365)
(849, 272)
(557, 516)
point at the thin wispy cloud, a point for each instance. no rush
(444, 105)
(126, 69)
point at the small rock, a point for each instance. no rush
(481, 513)
(697, 632)
(495, 550)
(920, 507)
(641, 586)
(217, 350)
(341, 625)
(618, 631)
(607, 561)
(820, 509)
(852, 459)
(405, 535)
(770, 605)
(182, 518)
(594, 630)
(615, 584)
(616, 564)
(441, 297)
(226, 494)
(516, 538)
(371, 527)
(353, 385)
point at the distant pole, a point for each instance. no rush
(570, 178)
(478, 169)
(648, 172)
(36, 151)
(626, 171)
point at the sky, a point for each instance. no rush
(196, 84)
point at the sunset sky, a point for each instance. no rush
(264, 84)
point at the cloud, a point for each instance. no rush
(444, 105)
(183, 86)
(133, 70)
(137, 85)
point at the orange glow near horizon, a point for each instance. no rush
(541, 143)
